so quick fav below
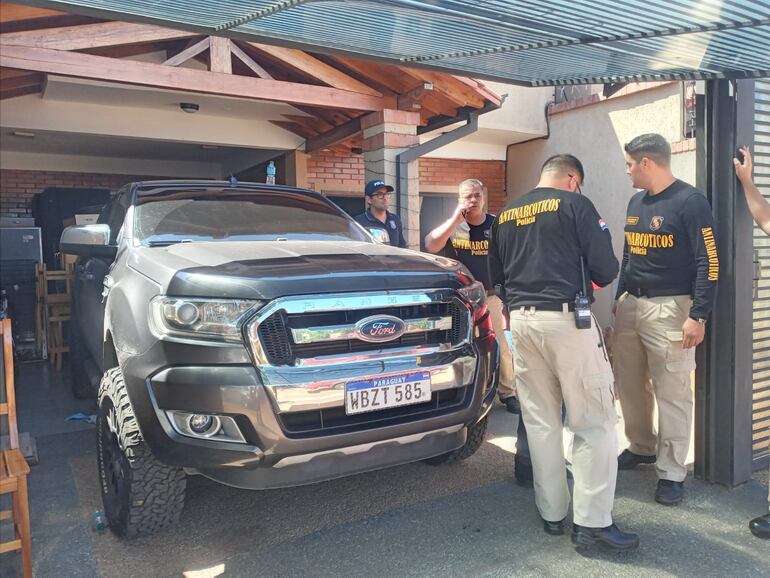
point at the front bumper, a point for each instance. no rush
(275, 456)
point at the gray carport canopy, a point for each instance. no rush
(537, 43)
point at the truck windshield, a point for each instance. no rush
(184, 216)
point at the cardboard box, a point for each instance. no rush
(82, 219)
(86, 219)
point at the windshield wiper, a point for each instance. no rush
(167, 242)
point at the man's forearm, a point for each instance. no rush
(758, 206)
(437, 238)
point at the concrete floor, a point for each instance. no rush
(414, 520)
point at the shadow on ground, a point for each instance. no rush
(415, 520)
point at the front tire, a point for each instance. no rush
(476, 434)
(140, 494)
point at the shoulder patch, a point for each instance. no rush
(603, 225)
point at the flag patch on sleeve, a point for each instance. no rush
(602, 224)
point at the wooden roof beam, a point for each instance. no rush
(447, 85)
(22, 81)
(149, 74)
(297, 129)
(316, 124)
(412, 99)
(334, 117)
(378, 74)
(14, 12)
(189, 52)
(334, 136)
(21, 91)
(249, 61)
(314, 67)
(220, 57)
(92, 36)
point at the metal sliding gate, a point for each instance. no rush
(760, 403)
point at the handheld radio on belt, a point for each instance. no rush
(582, 303)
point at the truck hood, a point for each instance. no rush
(267, 270)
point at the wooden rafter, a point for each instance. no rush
(313, 123)
(459, 93)
(299, 129)
(186, 54)
(334, 136)
(398, 81)
(412, 99)
(21, 81)
(148, 74)
(378, 74)
(21, 91)
(15, 12)
(481, 88)
(330, 115)
(312, 66)
(249, 61)
(92, 36)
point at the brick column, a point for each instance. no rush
(388, 133)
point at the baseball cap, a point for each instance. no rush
(372, 186)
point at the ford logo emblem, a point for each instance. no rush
(380, 328)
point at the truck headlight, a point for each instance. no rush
(474, 293)
(218, 320)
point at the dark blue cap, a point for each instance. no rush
(373, 186)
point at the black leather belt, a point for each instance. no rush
(547, 306)
(647, 292)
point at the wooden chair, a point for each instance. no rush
(13, 467)
(54, 310)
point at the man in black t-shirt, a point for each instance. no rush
(665, 294)
(465, 237)
(547, 247)
(377, 215)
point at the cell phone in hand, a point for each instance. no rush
(739, 155)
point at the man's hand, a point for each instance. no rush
(743, 169)
(459, 214)
(692, 333)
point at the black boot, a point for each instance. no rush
(554, 528)
(610, 537)
(628, 460)
(760, 527)
(522, 471)
(512, 405)
(669, 493)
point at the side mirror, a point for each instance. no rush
(88, 240)
(380, 236)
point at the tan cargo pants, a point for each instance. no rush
(650, 365)
(505, 387)
(554, 362)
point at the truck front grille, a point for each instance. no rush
(275, 332)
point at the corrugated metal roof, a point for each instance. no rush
(543, 42)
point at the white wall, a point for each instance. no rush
(596, 135)
(521, 117)
(32, 113)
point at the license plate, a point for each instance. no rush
(387, 391)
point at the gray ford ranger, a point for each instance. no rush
(257, 335)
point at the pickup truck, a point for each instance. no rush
(257, 335)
